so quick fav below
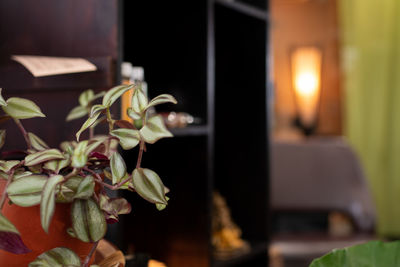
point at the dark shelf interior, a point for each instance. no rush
(191, 130)
(245, 8)
(256, 250)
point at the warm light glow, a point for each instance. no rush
(306, 71)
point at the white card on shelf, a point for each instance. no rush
(46, 66)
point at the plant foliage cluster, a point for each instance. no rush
(79, 172)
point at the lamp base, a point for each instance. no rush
(307, 130)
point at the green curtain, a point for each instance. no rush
(370, 51)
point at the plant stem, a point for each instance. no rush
(139, 160)
(4, 194)
(91, 132)
(109, 119)
(89, 256)
(24, 133)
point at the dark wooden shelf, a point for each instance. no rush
(256, 249)
(244, 8)
(192, 130)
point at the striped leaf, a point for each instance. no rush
(26, 191)
(96, 109)
(88, 221)
(37, 143)
(85, 188)
(6, 166)
(87, 124)
(21, 108)
(154, 130)
(77, 113)
(47, 203)
(79, 157)
(10, 239)
(139, 101)
(114, 93)
(128, 138)
(118, 167)
(149, 185)
(161, 99)
(57, 257)
(43, 156)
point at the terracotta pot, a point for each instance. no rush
(27, 221)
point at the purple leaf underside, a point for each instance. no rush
(13, 243)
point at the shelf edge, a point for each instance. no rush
(245, 9)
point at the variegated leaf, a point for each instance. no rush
(154, 130)
(77, 113)
(118, 167)
(96, 109)
(161, 99)
(133, 115)
(10, 239)
(2, 138)
(87, 124)
(6, 166)
(43, 156)
(57, 257)
(26, 191)
(95, 144)
(79, 158)
(47, 203)
(85, 97)
(2, 101)
(128, 138)
(86, 188)
(88, 220)
(21, 108)
(149, 185)
(36, 142)
(139, 101)
(114, 93)
(58, 164)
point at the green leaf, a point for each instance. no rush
(161, 99)
(10, 239)
(95, 144)
(21, 108)
(6, 166)
(21, 174)
(118, 167)
(57, 257)
(154, 130)
(133, 115)
(149, 186)
(2, 138)
(128, 138)
(160, 207)
(26, 191)
(79, 158)
(42, 156)
(2, 101)
(371, 254)
(77, 113)
(96, 109)
(6, 225)
(114, 93)
(47, 203)
(36, 142)
(86, 188)
(87, 124)
(57, 165)
(86, 97)
(139, 101)
(88, 220)
(68, 189)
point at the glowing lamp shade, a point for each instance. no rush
(306, 79)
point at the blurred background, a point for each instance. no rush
(287, 130)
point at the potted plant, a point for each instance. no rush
(64, 190)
